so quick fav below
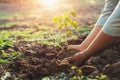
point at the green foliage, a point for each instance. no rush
(84, 29)
(99, 77)
(45, 34)
(5, 43)
(75, 74)
(3, 61)
(102, 77)
(65, 22)
(13, 34)
(8, 57)
(46, 78)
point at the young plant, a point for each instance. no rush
(8, 57)
(3, 61)
(5, 43)
(65, 22)
(102, 77)
(84, 29)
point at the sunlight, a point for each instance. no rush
(92, 1)
(49, 3)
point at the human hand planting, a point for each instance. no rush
(77, 59)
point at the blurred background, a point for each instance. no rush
(43, 11)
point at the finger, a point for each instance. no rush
(69, 59)
(72, 46)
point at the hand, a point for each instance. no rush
(77, 59)
(75, 47)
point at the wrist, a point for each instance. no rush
(86, 54)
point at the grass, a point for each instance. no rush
(9, 57)
(49, 35)
(84, 29)
(4, 43)
(45, 35)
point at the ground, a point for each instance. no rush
(38, 61)
(31, 47)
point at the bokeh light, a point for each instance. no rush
(49, 3)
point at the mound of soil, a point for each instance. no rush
(39, 61)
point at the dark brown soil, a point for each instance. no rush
(43, 60)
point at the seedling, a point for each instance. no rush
(8, 57)
(84, 29)
(3, 61)
(102, 77)
(65, 23)
(5, 43)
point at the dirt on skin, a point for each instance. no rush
(43, 60)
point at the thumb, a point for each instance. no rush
(69, 59)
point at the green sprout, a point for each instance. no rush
(65, 22)
(5, 43)
(8, 57)
(3, 61)
(102, 77)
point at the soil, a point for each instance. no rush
(39, 61)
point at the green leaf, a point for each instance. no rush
(59, 27)
(68, 24)
(56, 19)
(1, 41)
(4, 54)
(73, 67)
(73, 13)
(3, 61)
(70, 32)
(75, 24)
(68, 19)
(74, 77)
(46, 78)
(14, 53)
